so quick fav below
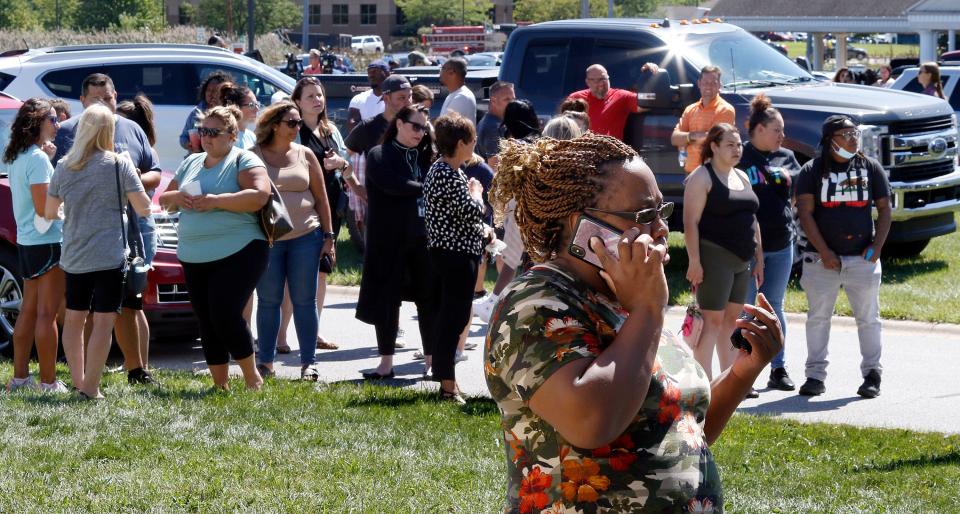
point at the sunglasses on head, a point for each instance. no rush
(209, 132)
(292, 123)
(97, 83)
(416, 126)
(644, 216)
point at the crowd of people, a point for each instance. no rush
(438, 200)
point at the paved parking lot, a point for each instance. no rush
(920, 389)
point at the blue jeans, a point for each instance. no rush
(295, 263)
(776, 274)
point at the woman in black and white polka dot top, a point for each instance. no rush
(455, 234)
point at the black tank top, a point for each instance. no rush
(728, 215)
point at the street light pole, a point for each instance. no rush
(463, 12)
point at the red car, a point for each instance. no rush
(165, 300)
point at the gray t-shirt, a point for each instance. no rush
(462, 101)
(92, 232)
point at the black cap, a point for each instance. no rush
(394, 83)
(833, 124)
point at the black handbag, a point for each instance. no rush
(134, 267)
(273, 217)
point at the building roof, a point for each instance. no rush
(812, 8)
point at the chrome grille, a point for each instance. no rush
(172, 293)
(921, 126)
(166, 229)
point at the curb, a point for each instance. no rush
(792, 317)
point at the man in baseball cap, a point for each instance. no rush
(367, 104)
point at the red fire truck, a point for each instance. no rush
(465, 38)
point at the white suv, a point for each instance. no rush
(169, 75)
(362, 44)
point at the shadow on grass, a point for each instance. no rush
(947, 459)
(900, 270)
(476, 406)
(798, 404)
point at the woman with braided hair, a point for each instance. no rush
(600, 406)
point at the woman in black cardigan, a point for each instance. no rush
(395, 264)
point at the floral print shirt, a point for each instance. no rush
(661, 463)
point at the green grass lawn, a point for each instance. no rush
(881, 52)
(921, 288)
(293, 447)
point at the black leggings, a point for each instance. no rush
(219, 290)
(457, 275)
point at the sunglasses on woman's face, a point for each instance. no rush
(292, 123)
(53, 119)
(416, 126)
(209, 132)
(642, 217)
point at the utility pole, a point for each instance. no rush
(230, 17)
(305, 43)
(584, 8)
(251, 32)
(609, 8)
(463, 12)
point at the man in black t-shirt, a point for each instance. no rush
(836, 193)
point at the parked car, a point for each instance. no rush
(170, 75)
(484, 59)
(853, 52)
(949, 79)
(366, 44)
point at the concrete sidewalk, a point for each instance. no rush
(920, 389)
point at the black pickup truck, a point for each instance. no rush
(914, 136)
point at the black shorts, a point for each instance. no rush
(133, 302)
(97, 291)
(35, 260)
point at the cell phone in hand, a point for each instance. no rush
(737, 340)
(588, 228)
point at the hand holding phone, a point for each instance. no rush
(587, 228)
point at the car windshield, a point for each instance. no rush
(743, 59)
(356, 40)
(6, 121)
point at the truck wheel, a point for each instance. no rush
(862, 56)
(11, 294)
(907, 249)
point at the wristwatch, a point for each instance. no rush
(329, 235)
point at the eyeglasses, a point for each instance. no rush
(209, 132)
(251, 104)
(643, 217)
(416, 126)
(851, 135)
(293, 123)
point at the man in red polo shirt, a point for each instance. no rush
(608, 108)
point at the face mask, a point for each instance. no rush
(843, 152)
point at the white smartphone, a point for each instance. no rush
(587, 228)
(192, 188)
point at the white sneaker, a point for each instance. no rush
(483, 307)
(18, 383)
(56, 387)
(401, 342)
(460, 357)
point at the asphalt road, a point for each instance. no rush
(920, 389)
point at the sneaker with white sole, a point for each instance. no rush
(55, 387)
(20, 383)
(401, 342)
(483, 307)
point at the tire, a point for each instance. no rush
(11, 294)
(861, 56)
(907, 249)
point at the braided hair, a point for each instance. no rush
(550, 180)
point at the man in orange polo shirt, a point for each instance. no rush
(699, 117)
(608, 108)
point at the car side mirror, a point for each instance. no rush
(654, 92)
(802, 62)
